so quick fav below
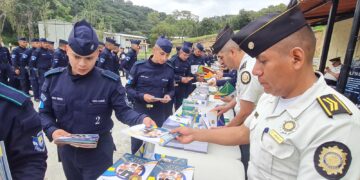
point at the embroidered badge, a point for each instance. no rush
(332, 160)
(38, 142)
(245, 77)
(289, 126)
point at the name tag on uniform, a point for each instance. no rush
(144, 76)
(57, 98)
(98, 100)
(166, 80)
(276, 136)
(149, 105)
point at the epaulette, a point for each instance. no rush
(110, 75)
(54, 71)
(169, 63)
(12, 95)
(332, 105)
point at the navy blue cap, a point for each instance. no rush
(101, 43)
(335, 59)
(34, 40)
(221, 39)
(110, 40)
(21, 39)
(264, 32)
(51, 42)
(117, 44)
(186, 49)
(188, 44)
(83, 39)
(200, 46)
(134, 41)
(42, 40)
(61, 41)
(164, 44)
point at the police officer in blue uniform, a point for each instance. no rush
(106, 58)
(131, 56)
(182, 74)
(5, 68)
(50, 46)
(60, 58)
(41, 62)
(122, 57)
(116, 60)
(196, 58)
(25, 59)
(150, 79)
(20, 129)
(18, 66)
(79, 99)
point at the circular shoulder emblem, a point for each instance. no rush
(245, 77)
(332, 160)
(288, 126)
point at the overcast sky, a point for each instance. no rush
(207, 8)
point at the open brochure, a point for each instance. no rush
(153, 135)
(79, 140)
(4, 164)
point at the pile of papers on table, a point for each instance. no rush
(79, 140)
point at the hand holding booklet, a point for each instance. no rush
(79, 140)
(153, 135)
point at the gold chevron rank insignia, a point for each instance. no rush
(332, 105)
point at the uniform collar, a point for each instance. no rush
(152, 62)
(306, 99)
(77, 77)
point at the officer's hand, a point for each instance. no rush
(149, 122)
(59, 133)
(17, 71)
(149, 98)
(221, 109)
(187, 135)
(167, 98)
(219, 75)
(226, 98)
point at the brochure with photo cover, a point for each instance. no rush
(170, 159)
(4, 164)
(153, 135)
(170, 171)
(129, 167)
(79, 140)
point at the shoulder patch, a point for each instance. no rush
(245, 77)
(110, 75)
(54, 71)
(332, 160)
(332, 105)
(10, 94)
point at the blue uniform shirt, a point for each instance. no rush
(26, 56)
(131, 58)
(41, 59)
(196, 60)
(147, 77)
(16, 56)
(83, 104)
(181, 68)
(60, 59)
(20, 129)
(108, 61)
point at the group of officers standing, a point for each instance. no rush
(296, 130)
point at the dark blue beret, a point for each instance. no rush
(110, 40)
(188, 44)
(267, 30)
(117, 44)
(42, 40)
(200, 46)
(34, 40)
(221, 39)
(61, 41)
(164, 44)
(186, 49)
(21, 39)
(134, 41)
(51, 42)
(101, 43)
(83, 39)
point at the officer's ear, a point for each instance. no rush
(297, 56)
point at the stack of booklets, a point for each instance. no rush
(159, 167)
(153, 135)
(79, 140)
(4, 164)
